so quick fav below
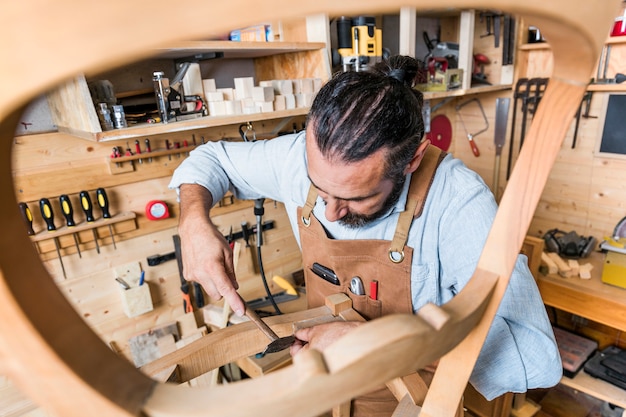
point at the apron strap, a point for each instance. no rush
(421, 180)
(308, 206)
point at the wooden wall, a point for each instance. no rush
(48, 165)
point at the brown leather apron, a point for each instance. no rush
(387, 262)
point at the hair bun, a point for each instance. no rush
(398, 73)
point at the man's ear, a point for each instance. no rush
(417, 157)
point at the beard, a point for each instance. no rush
(356, 220)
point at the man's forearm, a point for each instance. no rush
(195, 202)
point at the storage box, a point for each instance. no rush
(136, 300)
(574, 350)
(614, 270)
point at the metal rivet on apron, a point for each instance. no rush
(305, 221)
(396, 257)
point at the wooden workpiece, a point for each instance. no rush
(40, 329)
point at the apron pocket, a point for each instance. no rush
(370, 309)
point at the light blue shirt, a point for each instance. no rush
(520, 351)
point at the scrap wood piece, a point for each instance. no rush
(573, 264)
(549, 263)
(144, 347)
(564, 269)
(584, 271)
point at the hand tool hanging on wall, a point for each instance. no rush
(471, 136)
(523, 89)
(502, 116)
(85, 203)
(440, 133)
(103, 202)
(27, 215)
(48, 216)
(184, 285)
(68, 213)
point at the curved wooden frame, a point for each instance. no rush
(54, 357)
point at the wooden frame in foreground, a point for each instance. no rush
(52, 355)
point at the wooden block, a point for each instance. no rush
(263, 94)
(282, 86)
(144, 346)
(208, 84)
(229, 93)
(306, 85)
(214, 96)
(244, 87)
(584, 271)
(337, 303)
(564, 269)
(233, 107)
(136, 300)
(130, 273)
(290, 101)
(192, 81)
(217, 108)
(265, 106)
(575, 267)
(279, 103)
(212, 315)
(532, 248)
(549, 263)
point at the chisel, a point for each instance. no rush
(48, 216)
(103, 202)
(85, 202)
(184, 285)
(68, 213)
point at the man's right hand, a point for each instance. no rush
(207, 257)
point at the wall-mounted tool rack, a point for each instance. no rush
(124, 164)
(84, 238)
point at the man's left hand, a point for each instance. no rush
(320, 336)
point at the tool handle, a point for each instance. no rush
(187, 306)
(85, 202)
(137, 147)
(103, 202)
(47, 214)
(68, 211)
(197, 288)
(28, 218)
(261, 324)
(473, 145)
(148, 148)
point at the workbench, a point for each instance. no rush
(593, 300)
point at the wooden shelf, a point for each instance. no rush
(596, 387)
(429, 95)
(146, 129)
(596, 301)
(236, 49)
(607, 88)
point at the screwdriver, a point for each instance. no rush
(85, 202)
(48, 216)
(103, 202)
(138, 150)
(148, 149)
(68, 212)
(28, 218)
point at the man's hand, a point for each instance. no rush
(207, 257)
(320, 336)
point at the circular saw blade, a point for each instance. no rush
(440, 133)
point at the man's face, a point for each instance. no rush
(354, 193)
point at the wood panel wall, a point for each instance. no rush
(51, 164)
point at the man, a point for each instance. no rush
(367, 197)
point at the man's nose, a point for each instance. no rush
(335, 210)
